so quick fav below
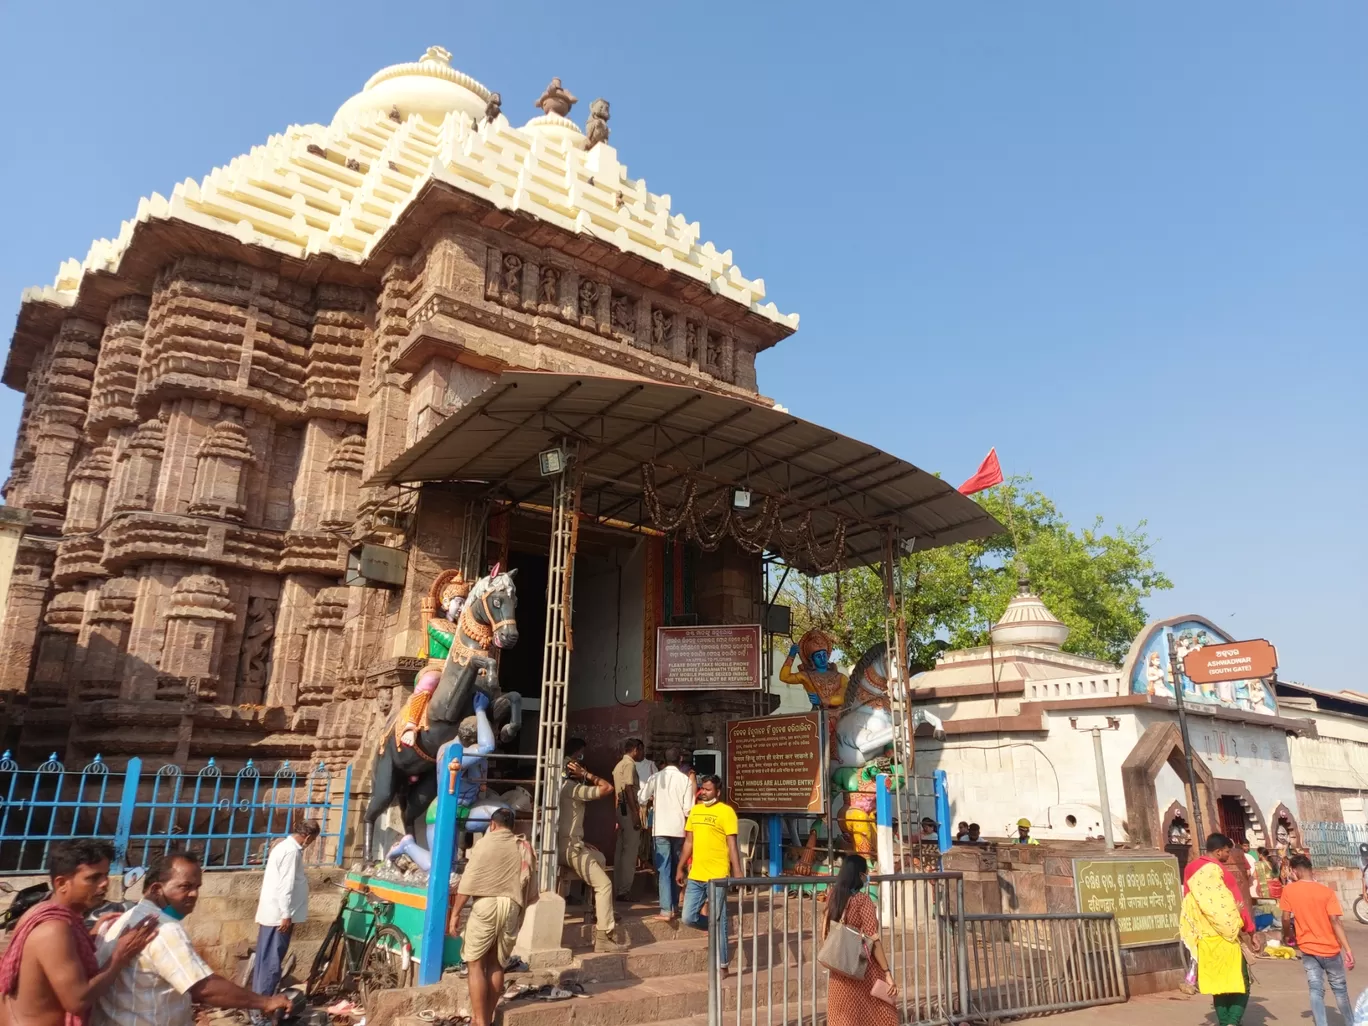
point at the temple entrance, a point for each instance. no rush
(1232, 815)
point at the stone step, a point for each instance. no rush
(656, 1000)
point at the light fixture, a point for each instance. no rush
(741, 498)
(552, 462)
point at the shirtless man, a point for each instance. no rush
(50, 969)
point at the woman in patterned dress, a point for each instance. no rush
(849, 1002)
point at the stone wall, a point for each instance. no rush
(1006, 879)
(223, 926)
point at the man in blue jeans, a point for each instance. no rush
(1312, 911)
(670, 794)
(710, 852)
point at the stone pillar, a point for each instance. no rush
(23, 611)
(197, 618)
(104, 639)
(343, 481)
(139, 467)
(57, 649)
(61, 396)
(116, 371)
(323, 647)
(89, 481)
(220, 474)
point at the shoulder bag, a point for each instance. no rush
(844, 950)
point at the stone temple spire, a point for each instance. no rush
(1027, 620)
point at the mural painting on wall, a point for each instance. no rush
(1151, 673)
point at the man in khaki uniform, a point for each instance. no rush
(628, 818)
(579, 788)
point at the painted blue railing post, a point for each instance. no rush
(342, 820)
(883, 841)
(443, 857)
(123, 827)
(776, 846)
(942, 810)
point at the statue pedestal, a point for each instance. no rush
(539, 939)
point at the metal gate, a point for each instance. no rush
(949, 968)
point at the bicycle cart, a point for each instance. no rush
(376, 941)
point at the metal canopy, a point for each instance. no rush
(692, 439)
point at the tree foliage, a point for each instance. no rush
(1095, 581)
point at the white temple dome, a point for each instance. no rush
(429, 87)
(1027, 621)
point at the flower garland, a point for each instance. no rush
(764, 529)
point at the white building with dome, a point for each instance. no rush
(1017, 715)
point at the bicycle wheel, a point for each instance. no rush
(328, 963)
(1361, 909)
(386, 964)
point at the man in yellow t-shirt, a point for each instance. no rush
(710, 853)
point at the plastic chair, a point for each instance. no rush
(747, 832)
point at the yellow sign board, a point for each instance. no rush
(1143, 894)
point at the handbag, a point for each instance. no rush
(881, 991)
(844, 950)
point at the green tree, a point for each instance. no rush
(1094, 580)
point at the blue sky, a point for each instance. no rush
(1125, 243)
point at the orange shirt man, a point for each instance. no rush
(1316, 918)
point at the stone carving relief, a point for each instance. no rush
(199, 612)
(512, 277)
(662, 328)
(624, 314)
(691, 342)
(588, 303)
(220, 475)
(135, 484)
(258, 638)
(548, 290)
(714, 354)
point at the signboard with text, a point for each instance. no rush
(1231, 660)
(774, 764)
(1143, 894)
(708, 658)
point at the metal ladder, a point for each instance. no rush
(555, 676)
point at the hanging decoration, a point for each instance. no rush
(762, 529)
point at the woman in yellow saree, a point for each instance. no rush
(1211, 925)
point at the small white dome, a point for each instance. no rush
(1027, 621)
(429, 87)
(556, 127)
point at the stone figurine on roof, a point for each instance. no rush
(597, 130)
(555, 99)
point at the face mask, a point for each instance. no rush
(709, 801)
(172, 913)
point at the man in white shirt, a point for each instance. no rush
(162, 987)
(283, 905)
(671, 794)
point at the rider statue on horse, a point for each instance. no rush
(478, 620)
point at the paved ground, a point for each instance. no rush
(1278, 995)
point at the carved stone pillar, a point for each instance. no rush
(59, 413)
(30, 584)
(197, 617)
(137, 471)
(116, 371)
(323, 646)
(220, 478)
(258, 645)
(89, 481)
(104, 639)
(57, 649)
(343, 482)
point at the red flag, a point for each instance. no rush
(988, 474)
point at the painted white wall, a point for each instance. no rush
(1256, 754)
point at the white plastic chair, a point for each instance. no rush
(747, 832)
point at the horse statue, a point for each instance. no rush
(406, 763)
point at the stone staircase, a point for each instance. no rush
(661, 979)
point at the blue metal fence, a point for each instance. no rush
(1336, 844)
(229, 819)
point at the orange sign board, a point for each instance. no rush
(774, 764)
(1234, 660)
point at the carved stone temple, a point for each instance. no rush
(208, 393)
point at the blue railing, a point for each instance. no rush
(229, 820)
(1335, 844)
